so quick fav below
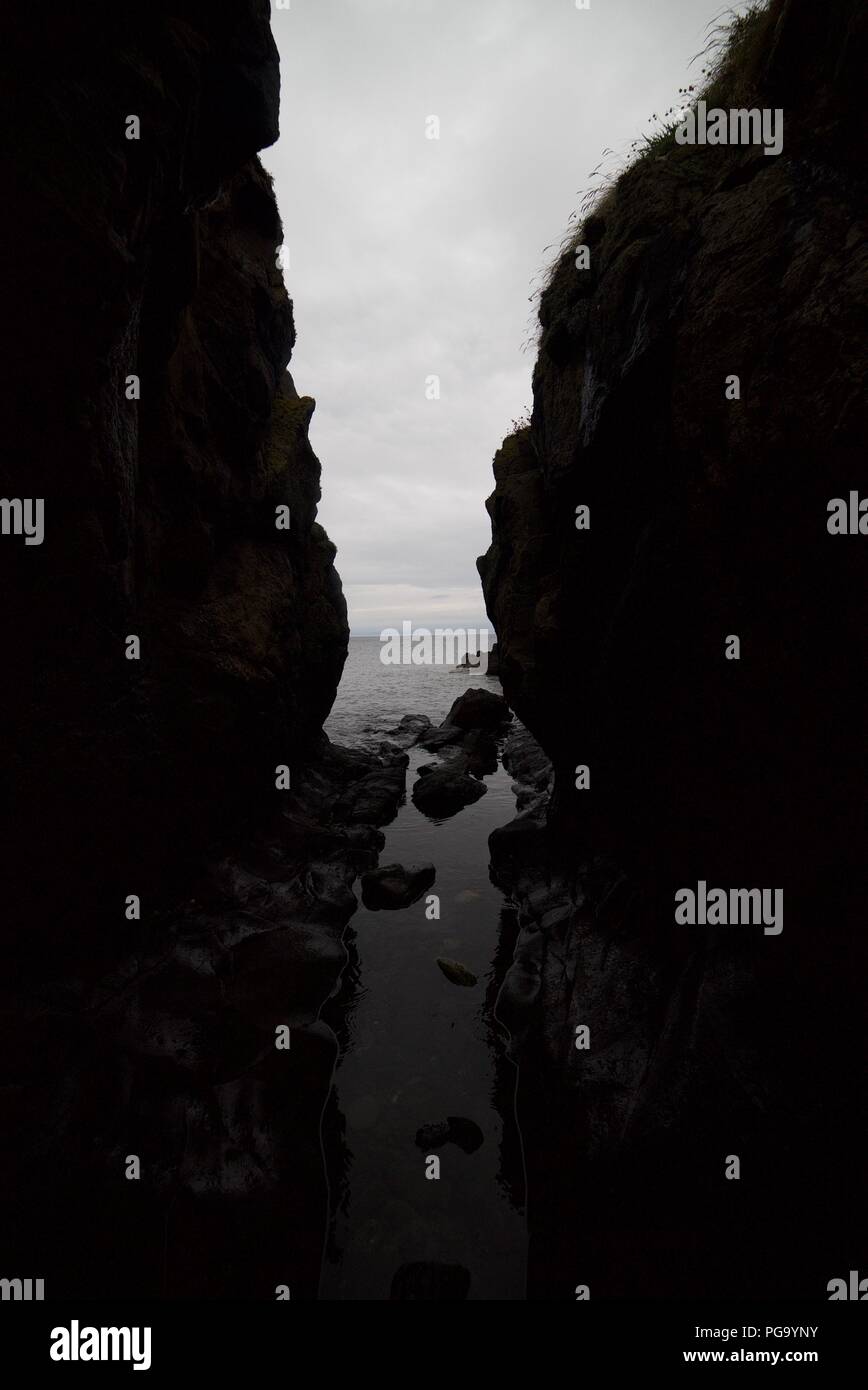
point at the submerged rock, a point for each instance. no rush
(393, 886)
(455, 972)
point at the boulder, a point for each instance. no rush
(446, 790)
(393, 886)
(478, 709)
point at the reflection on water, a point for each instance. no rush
(421, 1054)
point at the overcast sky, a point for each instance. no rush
(411, 257)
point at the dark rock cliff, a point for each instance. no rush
(155, 1035)
(153, 257)
(708, 518)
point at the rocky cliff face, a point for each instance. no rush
(707, 516)
(707, 519)
(146, 336)
(151, 257)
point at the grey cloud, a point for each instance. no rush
(411, 257)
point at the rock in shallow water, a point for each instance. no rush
(455, 972)
(479, 709)
(411, 729)
(393, 886)
(446, 790)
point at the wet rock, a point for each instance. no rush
(518, 993)
(479, 750)
(351, 786)
(519, 842)
(455, 972)
(446, 790)
(393, 886)
(479, 709)
(465, 1134)
(532, 770)
(431, 1282)
(473, 751)
(411, 730)
(493, 668)
(277, 974)
(446, 735)
(376, 797)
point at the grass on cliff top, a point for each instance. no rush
(732, 58)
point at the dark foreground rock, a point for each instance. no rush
(532, 771)
(443, 791)
(467, 741)
(392, 886)
(196, 1047)
(367, 788)
(479, 709)
(479, 751)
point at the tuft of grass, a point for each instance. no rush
(734, 53)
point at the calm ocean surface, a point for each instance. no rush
(416, 1049)
(373, 697)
